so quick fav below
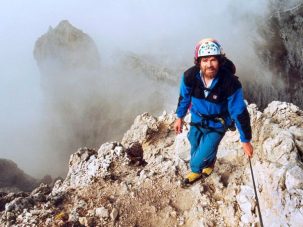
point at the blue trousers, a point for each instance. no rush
(204, 146)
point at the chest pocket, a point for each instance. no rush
(217, 95)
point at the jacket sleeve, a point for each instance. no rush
(238, 112)
(184, 99)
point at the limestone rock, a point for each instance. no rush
(114, 214)
(182, 146)
(87, 164)
(101, 212)
(280, 148)
(294, 179)
(143, 128)
(135, 153)
(102, 189)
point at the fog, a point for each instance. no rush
(166, 31)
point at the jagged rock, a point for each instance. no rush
(135, 153)
(294, 179)
(10, 216)
(182, 146)
(7, 198)
(246, 200)
(39, 194)
(73, 215)
(82, 155)
(101, 212)
(19, 204)
(83, 221)
(86, 165)
(43, 189)
(114, 214)
(143, 128)
(280, 147)
(151, 194)
(284, 114)
(56, 198)
(61, 47)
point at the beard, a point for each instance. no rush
(209, 72)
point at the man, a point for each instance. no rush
(215, 98)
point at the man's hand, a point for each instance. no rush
(178, 125)
(248, 149)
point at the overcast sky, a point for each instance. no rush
(155, 27)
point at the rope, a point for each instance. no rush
(252, 174)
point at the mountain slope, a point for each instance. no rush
(137, 182)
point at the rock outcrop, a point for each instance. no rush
(65, 48)
(105, 188)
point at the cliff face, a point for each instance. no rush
(136, 182)
(280, 50)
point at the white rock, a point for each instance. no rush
(247, 218)
(101, 212)
(173, 214)
(93, 166)
(83, 221)
(114, 214)
(182, 146)
(196, 189)
(198, 223)
(297, 132)
(142, 129)
(118, 150)
(294, 178)
(246, 199)
(48, 221)
(296, 218)
(181, 220)
(281, 148)
(105, 148)
(277, 172)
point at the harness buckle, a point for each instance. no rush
(220, 119)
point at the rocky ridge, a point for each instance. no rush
(136, 182)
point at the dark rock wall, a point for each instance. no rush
(281, 52)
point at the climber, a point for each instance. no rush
(216, 99)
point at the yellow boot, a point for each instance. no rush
(191, 178)
(207, 171)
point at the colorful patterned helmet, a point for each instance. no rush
(207, 47)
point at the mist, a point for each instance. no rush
(162, 33)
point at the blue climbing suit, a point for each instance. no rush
(211, 115)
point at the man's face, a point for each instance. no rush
(209, 66)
